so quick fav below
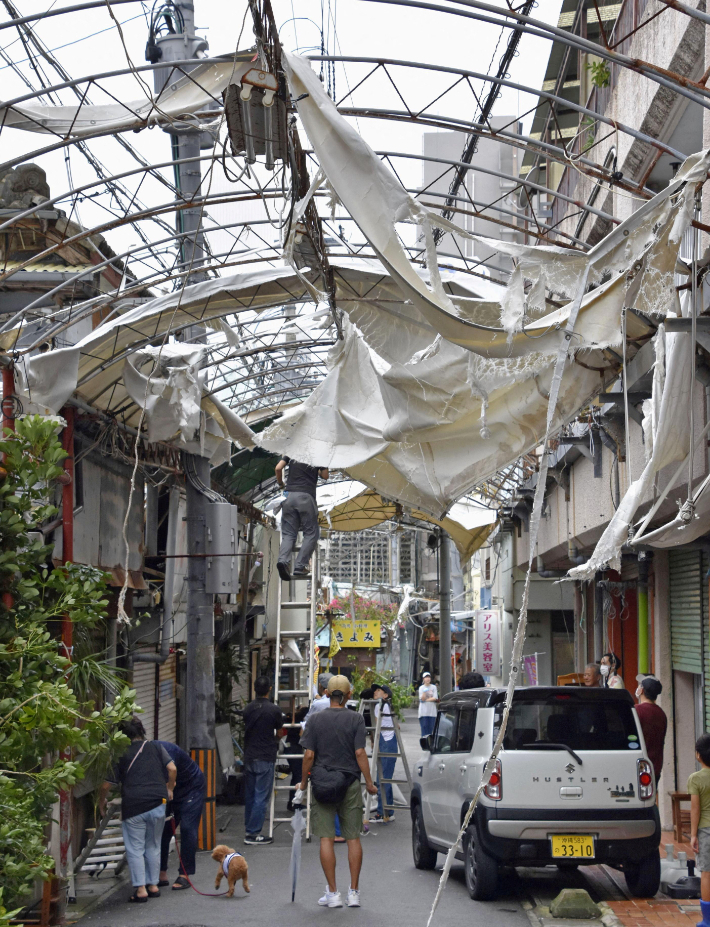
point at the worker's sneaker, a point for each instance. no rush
(283, 572)
(301, 574)
(331, 900)
(377, 818)
(257, 840)
(353, 898)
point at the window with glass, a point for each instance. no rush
(578, 723)
(465, 730)
(443, 737)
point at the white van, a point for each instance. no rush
(573, 786)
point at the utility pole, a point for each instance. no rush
(199, 689)
(179, 45)
(172, 38)
(444, 613)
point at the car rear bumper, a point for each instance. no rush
(602, 830)
(521, 836)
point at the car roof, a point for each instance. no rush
(484, 698)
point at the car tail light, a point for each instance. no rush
(645, 776)
(494, 789)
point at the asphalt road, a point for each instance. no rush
(393, 892)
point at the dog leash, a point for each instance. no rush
(185, 875)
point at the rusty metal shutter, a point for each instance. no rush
(686, 575)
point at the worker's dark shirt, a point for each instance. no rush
(261, 719)
(301, 477)
(189, 775)
(654, 725)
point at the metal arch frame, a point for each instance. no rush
(507, 137)
(543, 30)
(78, 7)
(221, 198)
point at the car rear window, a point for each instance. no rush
(575, 723)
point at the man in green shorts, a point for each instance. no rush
(335, 739)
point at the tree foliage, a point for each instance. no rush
(51, 731)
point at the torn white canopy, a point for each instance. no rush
(670, 443)
(377, 201)
(183, 95)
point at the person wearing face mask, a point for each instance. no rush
(609, 668)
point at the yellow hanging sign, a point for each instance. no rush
(349, 633)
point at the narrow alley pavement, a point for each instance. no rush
(393, 892)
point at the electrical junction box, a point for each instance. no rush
(222, 538)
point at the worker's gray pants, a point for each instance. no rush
(299, 513)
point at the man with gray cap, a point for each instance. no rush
(334, 744)
(653, 720)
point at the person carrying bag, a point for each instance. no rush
(334, 745)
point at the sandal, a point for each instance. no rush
(340, 840)
(163, 883)
(153, 894)
(180, 883)
(138, 899)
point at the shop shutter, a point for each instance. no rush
(686, 593)
(143, 682)
(167, 719)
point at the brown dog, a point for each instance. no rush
(233, 866)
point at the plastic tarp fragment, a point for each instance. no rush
(468, 525)
(180, 99)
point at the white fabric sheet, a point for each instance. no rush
(181, 97)
(670, 443)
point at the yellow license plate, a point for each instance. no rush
(572, 846)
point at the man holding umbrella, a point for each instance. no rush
(334, 744)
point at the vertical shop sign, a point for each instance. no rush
(488, 641)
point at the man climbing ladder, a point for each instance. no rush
(299, 513)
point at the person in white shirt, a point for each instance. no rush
(323, 700)
(387, 745)
(428, 697)
(609, 668)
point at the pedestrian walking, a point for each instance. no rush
(262, 719)
(335, 757)
(387, 746)
(428, 697)
(654, 723)
(298, 513)
(699, 789)
(146, 774)
(186, 809)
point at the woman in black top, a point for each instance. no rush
(147, 776)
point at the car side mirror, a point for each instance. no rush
(426, 743)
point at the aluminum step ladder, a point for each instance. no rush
(303, 673)
(376, 758)
(105, 850)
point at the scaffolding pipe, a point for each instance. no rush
(444, 613)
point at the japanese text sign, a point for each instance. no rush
(488, 641)
(356, 634)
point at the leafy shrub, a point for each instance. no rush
(45, 723)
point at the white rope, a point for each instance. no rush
(519, 641)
